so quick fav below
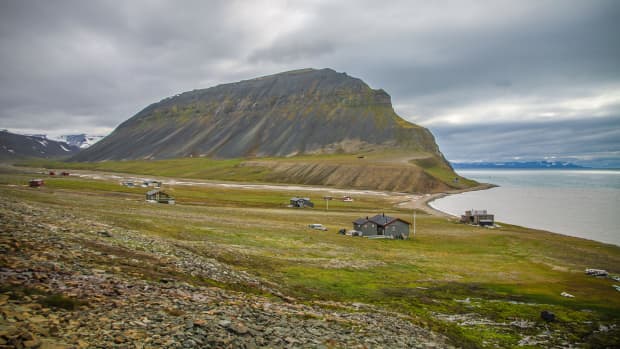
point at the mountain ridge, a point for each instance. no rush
(517, 165)
(15, 146)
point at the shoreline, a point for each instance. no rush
(423, 204)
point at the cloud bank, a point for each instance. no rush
(532, 78)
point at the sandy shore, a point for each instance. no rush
(422, 202)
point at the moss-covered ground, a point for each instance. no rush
(481, 287)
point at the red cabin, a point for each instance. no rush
(52, 173)
(65, 173)
(36, 183)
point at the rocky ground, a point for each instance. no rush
(69, 282)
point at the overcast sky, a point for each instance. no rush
(493, 80)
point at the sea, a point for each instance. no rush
(583, 203)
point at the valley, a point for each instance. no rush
(231, 265)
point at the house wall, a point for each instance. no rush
(367, 228)
(397, 228)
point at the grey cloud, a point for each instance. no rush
(96, 63)
(292, 50)
(567, 139)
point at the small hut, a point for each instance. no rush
(301, 202)
(159, 196)
(478, 217)
(35, 183)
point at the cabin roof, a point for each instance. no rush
(379, 219)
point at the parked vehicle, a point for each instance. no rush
(317, 226)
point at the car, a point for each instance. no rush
(317, 226)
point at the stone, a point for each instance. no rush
(547, 316)
(32, 343)
(200, 323)
(238, 328)
(104, 233)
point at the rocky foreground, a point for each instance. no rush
(68, 282)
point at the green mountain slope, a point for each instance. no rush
(305, 113)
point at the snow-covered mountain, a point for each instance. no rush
(16, 146)
(80, 140)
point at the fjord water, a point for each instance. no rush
(581, 203)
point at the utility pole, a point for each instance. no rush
(414, 223)
(327, 198)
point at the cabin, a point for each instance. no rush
(35, 183)
(159, 196)
(478, 217)
(301, 202)
(52, 173)
(64, 173)
(382, 225)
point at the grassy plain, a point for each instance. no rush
(400, 171)
(482, 287)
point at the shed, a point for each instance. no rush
(35, 183)
(383, 225)
(159, 196)
(478, 217)
(301, 202)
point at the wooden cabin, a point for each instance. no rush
(382, 225)
(159, 196)
(478, 217)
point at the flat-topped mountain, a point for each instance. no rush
(298, 112)
(305, 126)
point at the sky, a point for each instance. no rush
(493, 80)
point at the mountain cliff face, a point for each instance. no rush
(15, 146)
(299, 112)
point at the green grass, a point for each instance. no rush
(262, 169)
(508, 274)
(203, 168)
(435, 168)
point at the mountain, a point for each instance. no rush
(14, 146)
(299, 112)
(516, 165)
(81, 140)
(305, 126)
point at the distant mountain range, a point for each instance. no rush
(15, 146)
(81, 140)
(516, 165)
